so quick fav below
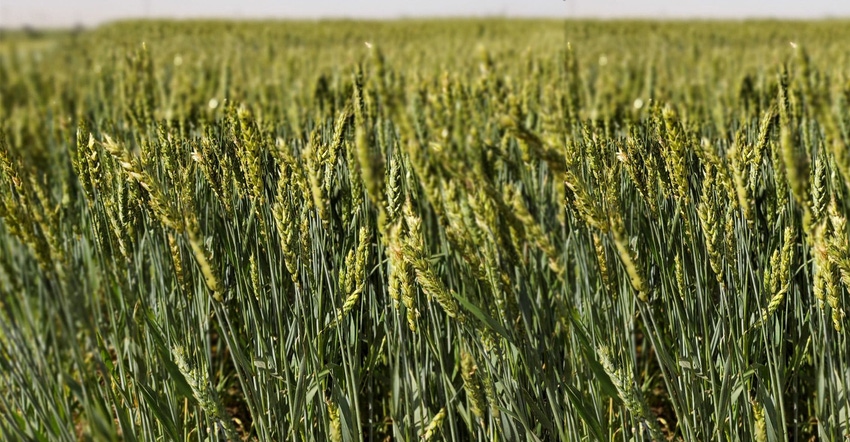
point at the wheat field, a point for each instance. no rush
(498, 230)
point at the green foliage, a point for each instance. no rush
(459, 230)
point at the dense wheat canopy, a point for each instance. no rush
(425, 230)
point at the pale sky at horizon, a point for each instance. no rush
(66, 13)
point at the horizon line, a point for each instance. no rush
(431, 17)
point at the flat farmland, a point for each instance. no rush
(425, 230)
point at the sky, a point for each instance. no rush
(67, 13)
